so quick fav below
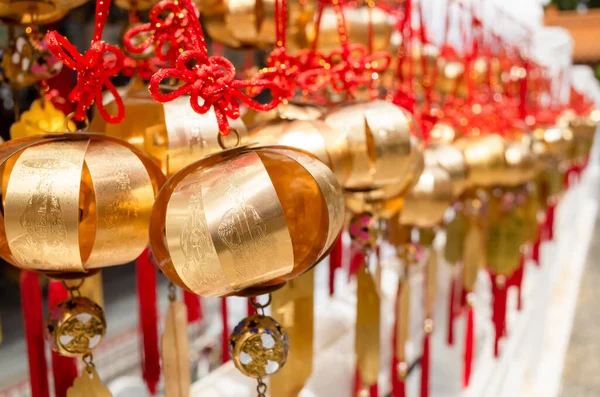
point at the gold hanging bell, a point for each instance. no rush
(246, 220)
(36, 12)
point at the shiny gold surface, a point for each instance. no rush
(88, 384)
(443, 133)
(75, 326)
(293, 307)
(451, 159)
(251, 23)
(75, 202)
(367, 338)
(402, 322)
(520, 162)
(38, 12)
(171, 134)
(313, 136)
(358, 20)
(259, 346)
(485, 159)
(383, 147)
(558, 138)
(426, 202)
(245, 218)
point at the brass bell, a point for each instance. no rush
(311, 135)
(558, 138)
(451, 159)
(250, 23)
(74, 203)
(27, 61)
(38, 12)
(137, 5)
(75, 326)
(426, 202)
(520, 164)
(383, 147)
(443, 133)
(358, 20)
(259, 346)
(246, 220)
(485, 159)
(41, 118)
(171, 134)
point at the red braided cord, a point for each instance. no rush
(94, 68)
(167, 35)
(210, 82)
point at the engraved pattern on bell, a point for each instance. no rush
(259, 346)
(75, 327)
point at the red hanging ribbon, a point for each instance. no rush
(169, 36)
(210, 81)
(425, 365)
(357, 259)
(516, 280)
(469, 346)
(499, 296)
(148, 314)
(225, 333)
(64, 369)
(94, 68)
(193, 304)
(250, 309)
(335, 262)
(31, 300)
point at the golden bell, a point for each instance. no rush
(250, 23)
(313, 136)
(286, 111)
(38, 12)
(451, 159)
(137, 5)
(584, 130)
(75, 326)
(426, 202)
(171, 134)
(443, 133)
(259, 346)
(520, 164)
(74, 203)
(558, 138)
(358, 20)
(246, 220)
(485, 159)
(27, 61)
(383, 145)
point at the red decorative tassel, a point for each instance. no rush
(549, 224)
(469, 347)
(335, 262)
(451, 311)
(225, 333)
(499, 293)
(398, 386)
(517, 281)
(425, 366)
(31, 300)
(64, 369)
(193, 305)
(374, 390)
(535, 250)
(250, 309)
(148, 314)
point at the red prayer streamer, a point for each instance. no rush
(225, 333)
(425, 365)
(499, 294)
(64, 369)
(335, 262)
(31, 300)
(193, 304)
(517, 281)
(451, 311)
(94, 68)
(148, 314)
(469, 347)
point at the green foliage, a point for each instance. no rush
(565, 5)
